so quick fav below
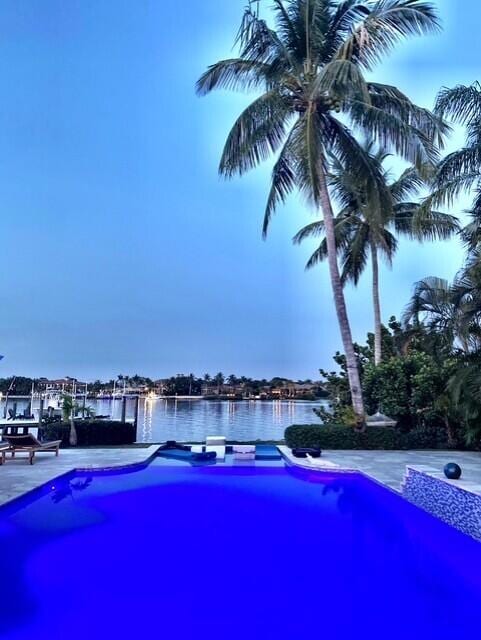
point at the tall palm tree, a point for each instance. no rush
(363, 232)
(191, 379)
(308, 69)
(460, 171)
(219, 379)
(69, 407)
(451, 313)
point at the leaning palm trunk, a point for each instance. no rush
(339, 301)
(308, 68)
(376, 305)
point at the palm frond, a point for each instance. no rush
(388, 23)
(357, 161)
(341, 78)
(355, 256)
(471, 233)
(420, 224)
(319, 255)
(344, 20)
(235, 74)
(445, 192)
(319, 21)
(466, 161)
(259, 43)
(392, 133)
(387, 244)
(310, 155)
(461, 103)
(286, 28)
(432, 300)
(311, 230)
(395, 102)
(283, 180)
(258, 133)
(407, 185)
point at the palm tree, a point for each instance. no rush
(191, 379)
(451, 314)
(461, 170)
(452, 311)
(308, 69)
(69, 406)
(363, 232)
(219, 380)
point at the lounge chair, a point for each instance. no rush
(244, 452)
(216, 444)
(319, 463)
(304, 452)
(215, 441)
(29, 444)
(4, 447)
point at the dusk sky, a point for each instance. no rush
(122, 250)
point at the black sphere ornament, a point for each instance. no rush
(452, 471)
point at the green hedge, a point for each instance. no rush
(373, 438)
(92, 433)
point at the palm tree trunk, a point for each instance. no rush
(73, 432)
(339, 301)
(377, 306)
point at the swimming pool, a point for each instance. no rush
(231, 552)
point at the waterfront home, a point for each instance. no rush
(61, 385)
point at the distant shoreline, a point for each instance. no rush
(185, 398)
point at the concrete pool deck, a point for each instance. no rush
(387, 467)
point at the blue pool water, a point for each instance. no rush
(226, 552)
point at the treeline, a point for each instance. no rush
(180, 384)
(17, 385)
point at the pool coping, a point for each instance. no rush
(291, 460)
(151, 452)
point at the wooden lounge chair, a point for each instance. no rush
(29, 444)
(4, 447)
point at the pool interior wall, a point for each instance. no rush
(214, 552)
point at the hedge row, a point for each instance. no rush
(373, 438)
(92, 433)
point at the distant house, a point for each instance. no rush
(224, 390)
(283, 391)
(161, 387)
(61, 385)
(291, 390)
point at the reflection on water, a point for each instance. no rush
(162, 419)
(146, 435)
(192, 420)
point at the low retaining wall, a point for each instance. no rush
(454, 501)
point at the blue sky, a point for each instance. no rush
(122, 250)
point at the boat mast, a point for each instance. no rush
(10, 388)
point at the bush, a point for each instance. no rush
(92, 433)
(407, 388)
(328, 437)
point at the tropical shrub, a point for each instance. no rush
(341, 437)
(407, 388)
